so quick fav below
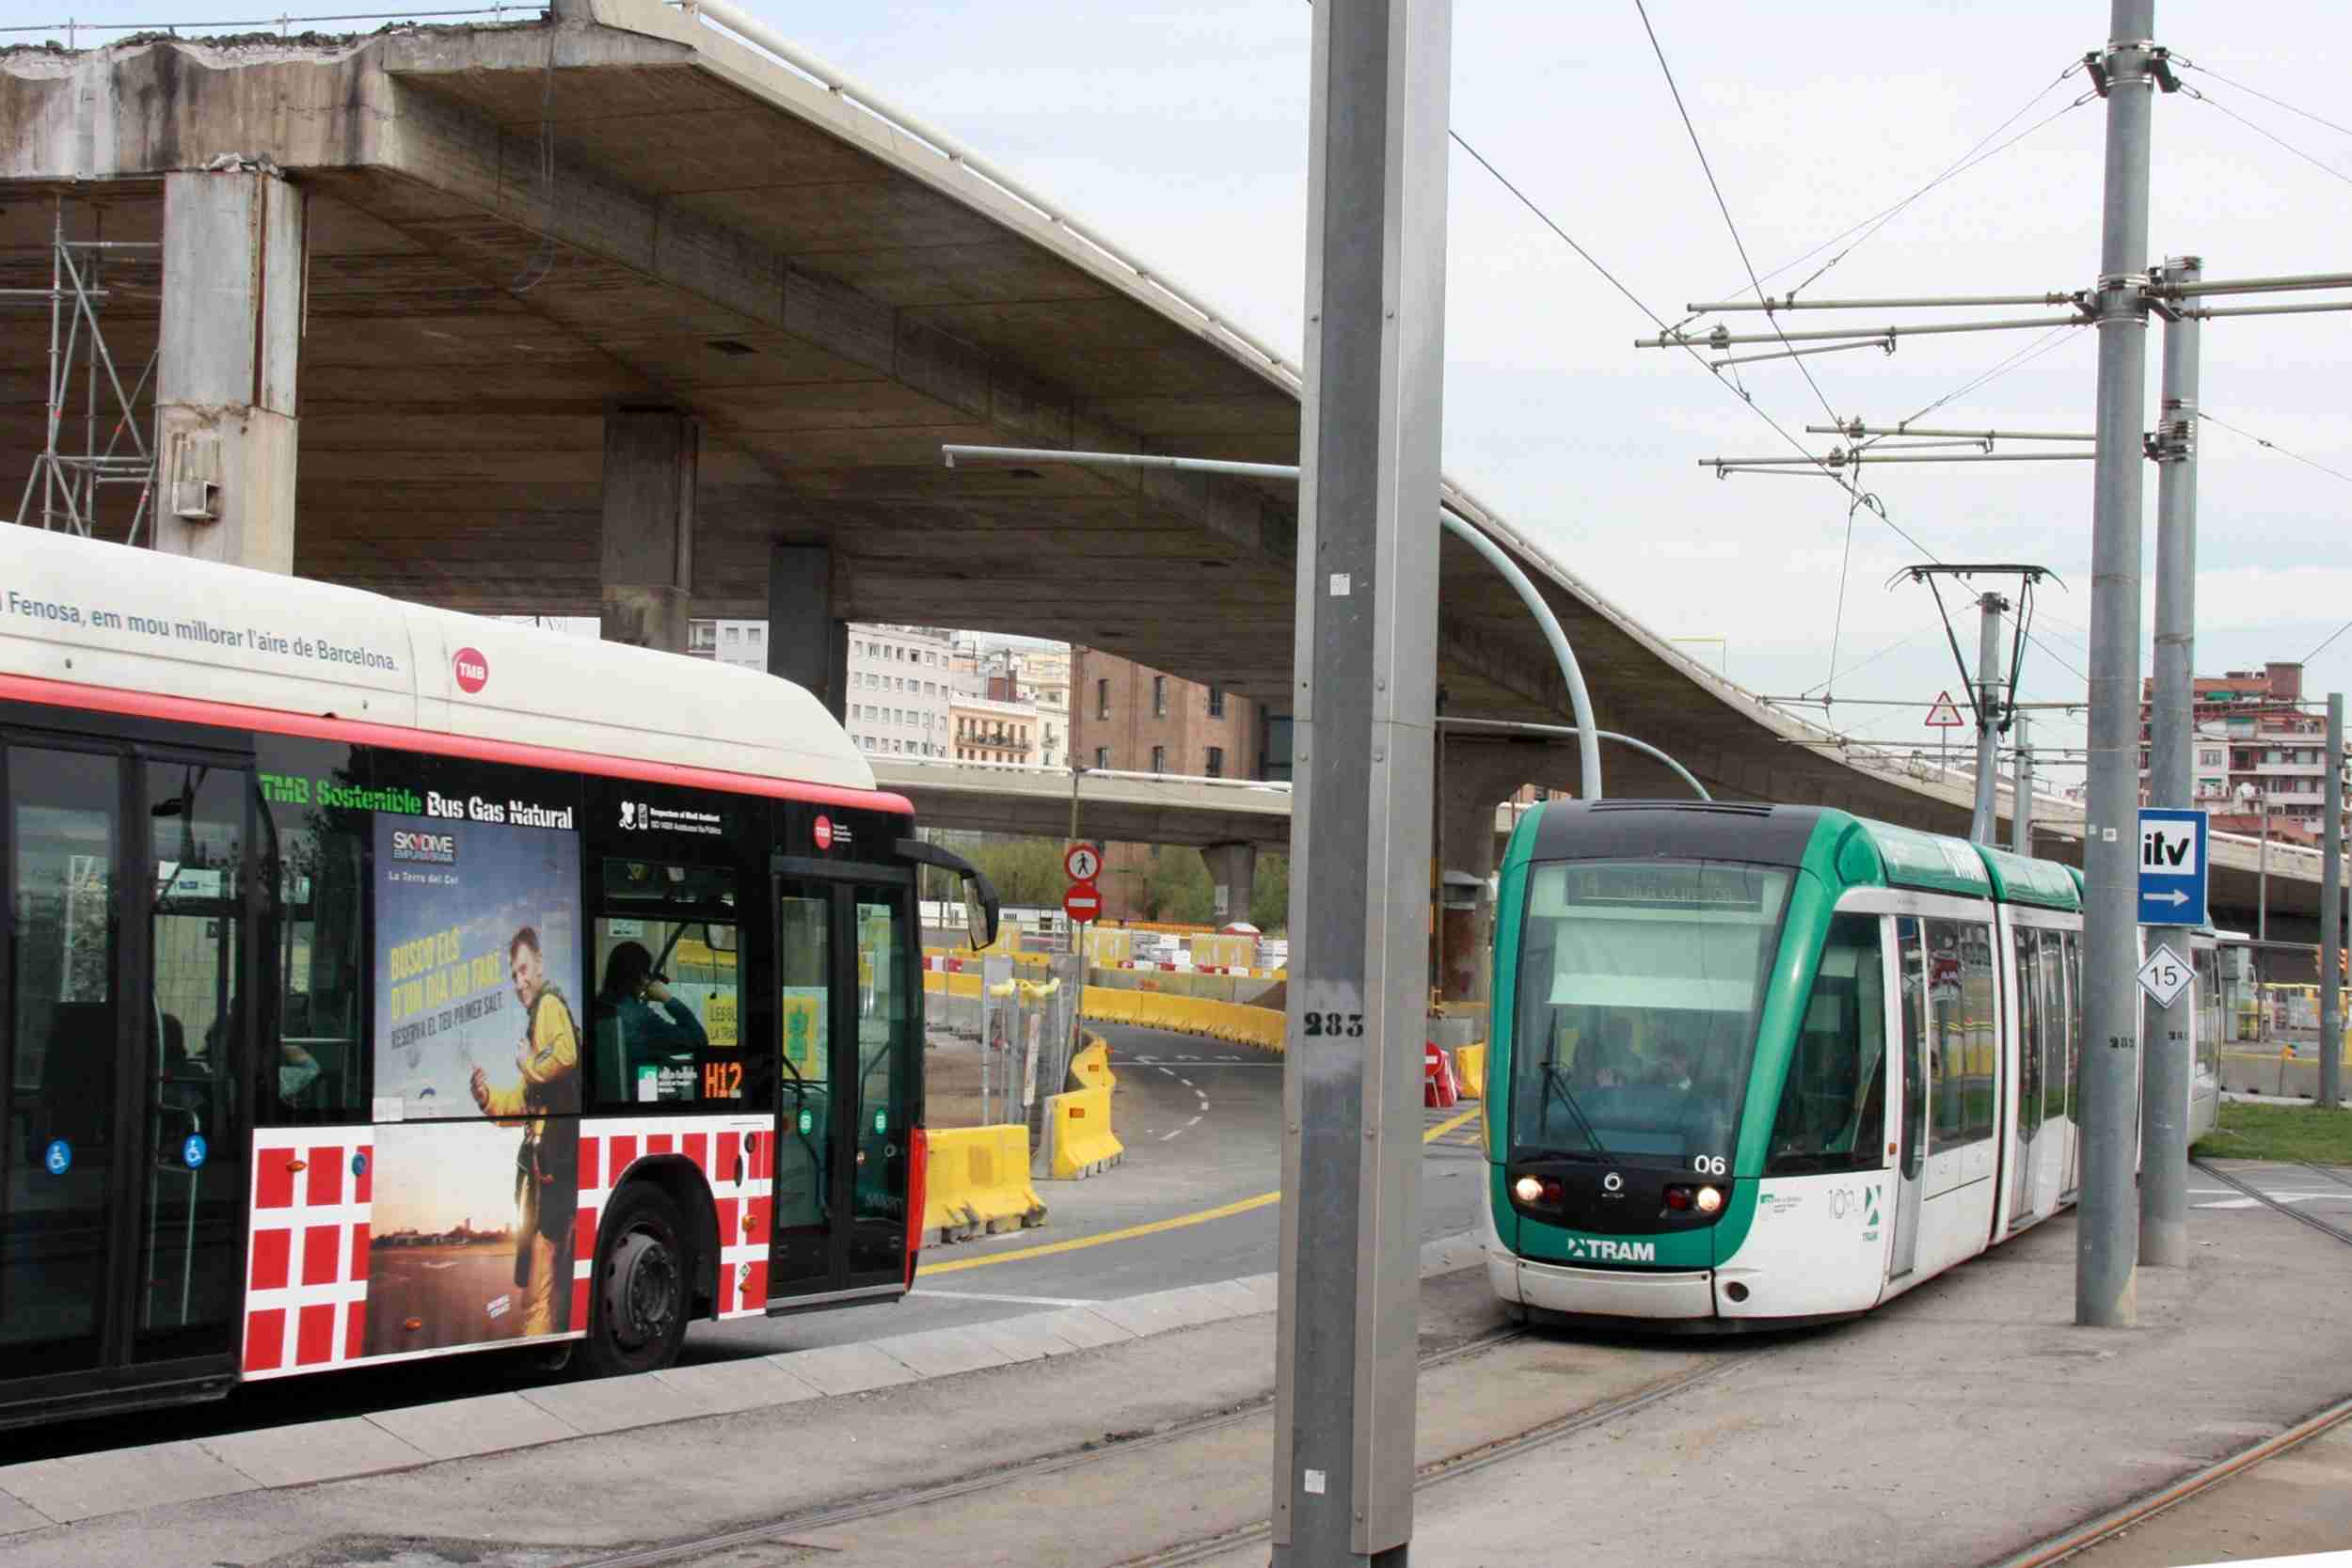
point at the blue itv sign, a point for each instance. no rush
(2171, 866)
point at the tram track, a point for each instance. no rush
(2324, 1226)
(779, 1529)
(1438, 1471)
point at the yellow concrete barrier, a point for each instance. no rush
(978, 1183)
(1261, 1027)
(1078, 1137)
(1091, 1066)
(1469, 1066)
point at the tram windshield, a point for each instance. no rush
(1640, 984)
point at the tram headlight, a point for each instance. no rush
(1528, 1190)
(1710, 1199)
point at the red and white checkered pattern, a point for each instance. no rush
(716, 1145)
(307, 1270)
(306, 1300)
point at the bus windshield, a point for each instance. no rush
(1640, 982)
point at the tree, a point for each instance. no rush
(1270, 894)
(1178, 889)
(1026, 871)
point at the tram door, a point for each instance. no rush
(124, 1095)
(1912, 1141)
(847, 952)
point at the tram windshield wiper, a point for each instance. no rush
(1557, 1086)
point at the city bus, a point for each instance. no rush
(383, 983)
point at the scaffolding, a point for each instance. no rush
(73, 486)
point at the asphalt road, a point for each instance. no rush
(1193, 1201)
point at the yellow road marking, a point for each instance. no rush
(1155, 1228)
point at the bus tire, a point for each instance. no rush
(644, 1282)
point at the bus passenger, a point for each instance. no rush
(656, 1028)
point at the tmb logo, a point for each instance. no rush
(434, 848)
(473, 671)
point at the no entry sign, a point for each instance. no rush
(1082, 903)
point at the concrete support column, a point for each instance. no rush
(1478, 777)
(230, 342)
(1234, 869)
(650, 458)
(807, 643)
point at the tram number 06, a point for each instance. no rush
(1336, 1025)
(1708, 1165)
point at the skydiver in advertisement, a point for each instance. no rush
(545, 1105)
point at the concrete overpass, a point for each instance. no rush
(616, 313)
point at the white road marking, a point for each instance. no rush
(1186, 1082)
(1194, 1122)
(1169, 1070)
(1017, 1301)
(1165, 1137)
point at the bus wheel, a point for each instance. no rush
(638, 1315)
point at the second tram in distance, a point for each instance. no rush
(1752, 1065)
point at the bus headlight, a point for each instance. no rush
(1710, 1199)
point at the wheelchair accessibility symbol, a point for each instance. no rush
(59, 1157)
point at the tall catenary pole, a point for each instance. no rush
(2107, 1236)
(2331, 913)
(2021, 818)
(1365, 717)
(1989, 607)
(2172, 775)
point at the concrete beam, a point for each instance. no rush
(231, 330)
(808, 642)
(646, 582)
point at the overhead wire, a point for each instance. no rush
(1958, 166)
(2267, 135)
(2274, 446)
(1725, 207)
(2187, 64)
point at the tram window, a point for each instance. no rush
(2033, 1029)
(311, 1061)
(2208, 1018)
(1911, 954)
(667, 1010)
(2058, 1026)
(1833, 1105)
(1961, 1050)
(2074, 946)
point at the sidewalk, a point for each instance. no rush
(1965, 1422)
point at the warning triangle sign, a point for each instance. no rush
(1944, 714)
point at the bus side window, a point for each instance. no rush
(312, 1055)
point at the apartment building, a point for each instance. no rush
(2259, 751)
(989, 729)
(1139, 720)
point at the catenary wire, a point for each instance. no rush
(2187, 64)
(1852, 490)
(2268, 134)
(1962, 165)
(1725, 207)
(2274, 447)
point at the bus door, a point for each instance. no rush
(849, 1091)
(124, 1110)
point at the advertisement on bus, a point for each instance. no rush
(478, 926)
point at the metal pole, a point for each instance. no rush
(2171, 782)
(1365, 692)
(2106, 1238)
(1989, 607)
(2331, 914)
(2021, 818)
(2262, 885)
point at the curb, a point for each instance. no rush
(49, 1492)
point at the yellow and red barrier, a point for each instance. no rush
(1078, 1138)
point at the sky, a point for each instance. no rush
(1181, 131)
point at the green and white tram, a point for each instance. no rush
(1755, 1064)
